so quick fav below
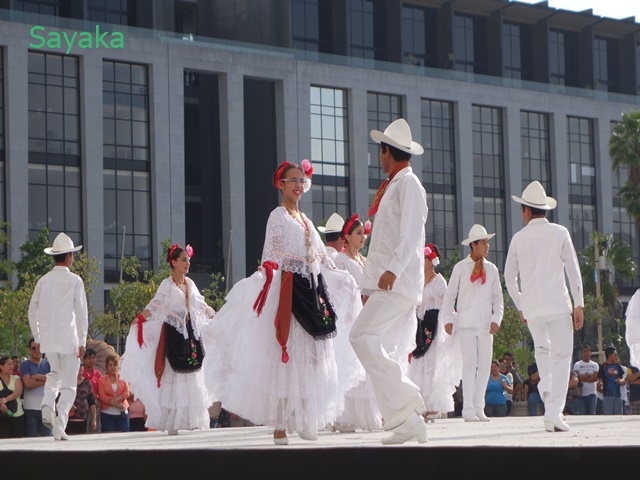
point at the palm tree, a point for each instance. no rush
(624, 150)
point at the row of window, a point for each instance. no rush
(329, 137)
(422, 34)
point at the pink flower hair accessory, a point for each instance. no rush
(189, 250)
(367, 227)
(307, 169)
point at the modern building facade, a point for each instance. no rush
(176, 134)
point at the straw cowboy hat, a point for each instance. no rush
(535, 196)
(398, 134)
(62, 244)
(477, 232)
(334, 224)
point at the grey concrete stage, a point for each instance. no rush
(454, 447)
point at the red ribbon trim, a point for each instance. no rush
(269, 266)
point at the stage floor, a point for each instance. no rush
(518, 445)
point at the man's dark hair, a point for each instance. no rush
(332, 236)
(60, 257)
(88, 352)
(585, 346)
(31, 340)
(507, 353)
(609, 351)
(536, 212)
(397, 154)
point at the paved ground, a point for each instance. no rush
(595, 431)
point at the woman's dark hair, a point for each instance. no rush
(355, 224)
(111, 358)
(4, 360)
(397, 154)
(174, 255)
(496, 362)
(88, 352)
(284, 170)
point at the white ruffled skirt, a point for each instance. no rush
(181, 401)
(438, 372)
(247, 373)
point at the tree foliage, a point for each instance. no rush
(624, 150)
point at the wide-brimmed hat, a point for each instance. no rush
(477, 232)
(535, 196)
(333, 225)
(398, 134)
(62, 244)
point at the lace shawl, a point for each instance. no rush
(169, 305)
(284, 243)
(433, 295)
(345, 262)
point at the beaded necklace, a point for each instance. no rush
(356, 258)
(307, 234)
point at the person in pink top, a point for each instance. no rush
(90, 373)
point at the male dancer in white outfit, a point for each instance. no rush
(393, 279)
(59, 321)
(541, 254)
(474, 289)
(333, 235)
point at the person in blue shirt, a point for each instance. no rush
(495, 399)
(611, 376)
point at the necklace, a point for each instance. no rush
(297, 216)
(430, 279)
(356, 258)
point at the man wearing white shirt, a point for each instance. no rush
(474, 290)
(59, 322)
(540, 255)
(392, 281)
(333, 235)
(588, 376)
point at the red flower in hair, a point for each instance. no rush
(306, 167)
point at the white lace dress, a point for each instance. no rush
(305, 394)
(439, 371)
(361, 410)
(181, 400)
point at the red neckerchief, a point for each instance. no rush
(478, 269)
(376, 200)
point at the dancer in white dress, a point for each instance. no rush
(164, 352)
(286, 377)
(361, 410)
(436, 363)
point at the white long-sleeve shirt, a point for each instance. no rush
(477, 304)
(540, 254)
(397, 237)
(58, 312)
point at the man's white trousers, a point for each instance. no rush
(374, 337)
(553, 341)
(477, 353)
(62, 379)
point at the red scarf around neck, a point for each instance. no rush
(478, 271)
(376, 200)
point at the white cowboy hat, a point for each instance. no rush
(62, 244)
(333, 225)
(535, 196)
(477, 232)
(398, 134)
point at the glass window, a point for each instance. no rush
(582, 180)
(488, 190)
(534, 140)
(127, 185)
(3, 252)
(312, 25)
(329, 152)
(54, 145)
(439, 175)
(470, 44)
(382, 109)
(118, 12)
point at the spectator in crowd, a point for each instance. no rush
(113, 394)
(137, 415)
(504, 370)
(633, 380)
(587, 376)
(531, 393)
(16, 365)
(12, 423)
(33, 373)
(82, 415)
(498, 387)
(90, 372)
(611, 376)
(512, 367)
